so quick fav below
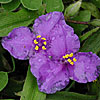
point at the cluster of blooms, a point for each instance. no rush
(53, 53)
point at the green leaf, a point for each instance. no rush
(12, 5)
(96, 2)
(70, 96)
(32, 4)
(11, 20)
(99, 95)
(72, 9)
(13, 62)
(12, 87)
(92, 44)
(54, 5)
(93, 88)
(92, 8)
(30, 89)
(4, 65)
(95, 22)
(78, 28)
(41, 10)
(7, 99)
(5, 1)
(3, 80)
(89, 33)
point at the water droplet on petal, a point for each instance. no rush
(39, 60)
(36, 24)
(87, 67)
(48, 17)
(53, 38)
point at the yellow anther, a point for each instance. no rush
(69, 60)
(71, 55)
(43, 38)
(67, 55)
(72, 63)
(35, 42)
(74, 59)
(44, 43)
(95, 80)
(38, 36)
(36, 47)
(64, 57)
(43, 47)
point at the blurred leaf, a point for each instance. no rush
(92, 44)
(11, 20)
(78, 28)
(12, 87)
(41, 10)
(70, 96)
(1, 9)
(7, 99)
(93, 88)
(3, 80)
(4, 65)
(54, 5)
(99, 95)
(89, 33)
(96, 2)
(30, 89)
(5, 1)
(92, 8)
(95, 22)
(12, 5)
(32, 4)
(13, 62)
(72, 9)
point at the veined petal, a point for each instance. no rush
(18, 42)
(72, 43)
(85, 69)
(44, 24)
(51, 76)
(57, 47)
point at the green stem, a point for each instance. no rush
(76, 22)
(67, 89)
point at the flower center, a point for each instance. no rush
(40, 43)
(69, 58)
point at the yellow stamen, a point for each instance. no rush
(95, 80)
(44, 43)
(43, 38)
(71, 55)
(64, 57)
(39, 36)
(43, 47)
(72, 63)
(36, 47)
(67, 55)
(35, 42)
(69, 60)
(74, 59)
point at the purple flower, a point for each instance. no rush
(62, 62)
(52, 53)
(22, 43)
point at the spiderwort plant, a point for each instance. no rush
(53, 53)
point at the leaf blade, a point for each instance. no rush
(3, 80)
(32, 88)
(54, 5)
(11, 20)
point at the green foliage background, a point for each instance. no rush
(16, 80)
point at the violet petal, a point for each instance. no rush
(18, 42)
(85, 69)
